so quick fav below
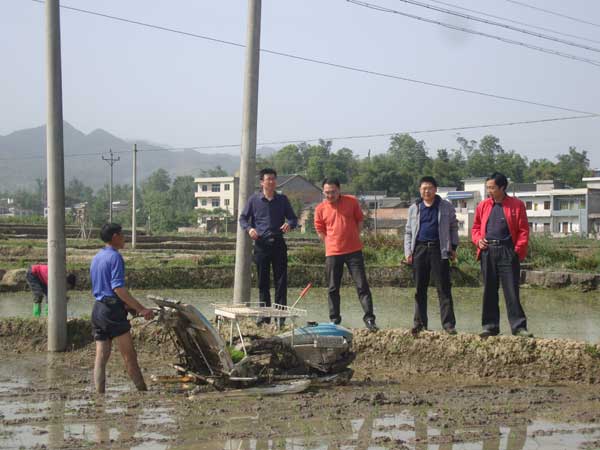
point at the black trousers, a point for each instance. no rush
(428, 260)
(334, 265)
(38, 288)
(266, 255)
(500, 265)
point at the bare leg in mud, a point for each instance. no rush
(102, 355)
(125, 343)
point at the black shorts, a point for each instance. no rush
(109, 320)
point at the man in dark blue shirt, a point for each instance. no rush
(430, 242)
(113, 301)
(264, 218)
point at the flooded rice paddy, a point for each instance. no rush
(550, 313)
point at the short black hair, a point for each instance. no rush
(428, 179)
(266, 171)
(71, 280)
(109, 230)
(331, 180)
(500, 180)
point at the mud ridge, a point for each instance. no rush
(392, 351)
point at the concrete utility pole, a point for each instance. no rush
(134, 182)
(243, 259)
(57, 260)
(111, 162)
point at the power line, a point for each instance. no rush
(498, 24)
(537, 27)
(332, 138)
(330, 64)
(554, 13)
(478, 33)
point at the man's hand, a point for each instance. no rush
(452, 255)
(482, 244)
(409, 259)
(146, 313)
(253, 234)
(285, 227)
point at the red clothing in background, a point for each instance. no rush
(41, 272)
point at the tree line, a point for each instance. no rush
(398, 170)
(165, 203)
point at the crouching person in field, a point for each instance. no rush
(109, 315)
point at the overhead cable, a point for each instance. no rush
(537, 27)
(475, 32)
(501, 25)
(554, 13)
(330, 64)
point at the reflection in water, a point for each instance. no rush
(406, 431)
(56, 401)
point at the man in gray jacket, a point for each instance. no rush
(430, 241)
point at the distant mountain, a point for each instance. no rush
(23, 158)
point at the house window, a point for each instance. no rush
(547, 205)
(546, 228)
(535, 206)
(582, 203)
(205, 188)
(226, 187)
(203, 202)
(226, 202)
(528, 206)
(215, 187)
(215, 203)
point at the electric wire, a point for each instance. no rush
(331, 64)
(537, 27)
(475, 32)
(333, 138)
(554, 13)
(498, 24)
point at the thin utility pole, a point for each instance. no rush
(134, 182)
(57, 298)
(111, 162)
(241, 286)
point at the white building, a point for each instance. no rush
(551, 208)
(465, 202)
(217, 193)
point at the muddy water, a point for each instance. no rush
(45, 402)
(550, 313)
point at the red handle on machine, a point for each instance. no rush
(303, 293)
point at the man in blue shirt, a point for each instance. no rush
(264, 218)
(113, 301)
(430, 241)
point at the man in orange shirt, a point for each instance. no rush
(338, 222)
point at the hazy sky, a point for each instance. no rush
(177, 90)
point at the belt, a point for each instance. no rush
(499, 242)
(110, 300)
(429, 243)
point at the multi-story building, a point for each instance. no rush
(551, 208)
(465, 202)
(214, 193)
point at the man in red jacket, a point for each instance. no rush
(501, 233)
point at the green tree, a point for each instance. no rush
(572, 167)
(78, 192)
(158, 181)
(216, 172)
(540, 169)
